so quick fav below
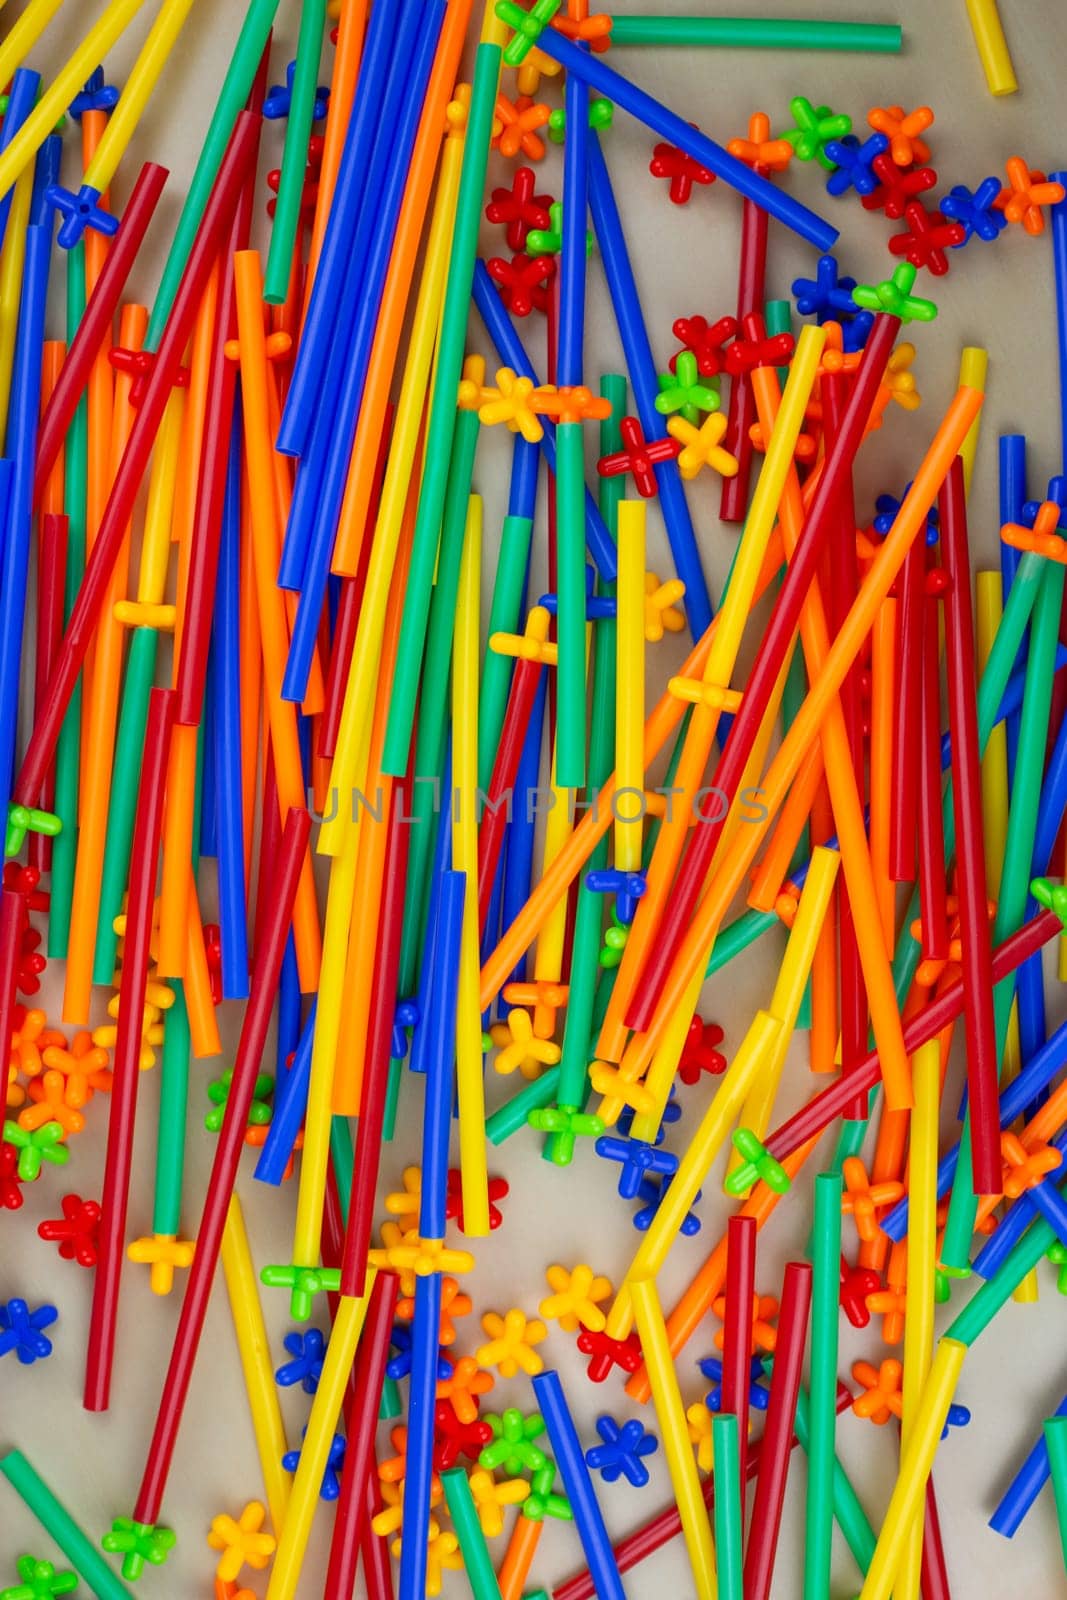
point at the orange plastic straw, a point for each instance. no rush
(359, 976)
(103, 703)
(518, 1558)
(770, 874)
(561, 871)
(390, 323)
(347, 56)
(203, 1025)
(693, 1307)
(274, 633)
(251, 676)
(807, 726)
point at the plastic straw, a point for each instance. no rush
(778, 1430)
(60, 1526)
(475, 1551)
(756, 33)
(992, 46)
(578, 1486)
(728, 1504)
(294, 154)
(137, 92)
(824, 1338)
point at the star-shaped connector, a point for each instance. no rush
(813, 128)
(510, 1343)
(893, 295)
(519, 1048)
(513, 1449)
(140, 1544)
(683, 391)
(702, 446)
(304, 1283)
(575, 1298)
(241, 1541)
(36, 1147)
(567, 1124)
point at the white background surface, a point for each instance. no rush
(998, 296)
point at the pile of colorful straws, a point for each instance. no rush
(441, 851)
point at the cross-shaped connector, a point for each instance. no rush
(95, 96)
(163, 1254)
(519, 121)
(51, 1102)
(758, 1166)
(826, 296)
(36, 1147)
(857, 1284)
(707, 341)
(543, 1501)
(862, 1198)
(618, 1089)
(76, 1231)
(882, 1397)
(1053, 896)
(513, 1448)
(639, 457)
(977, 213)
(627, 887)
(813, 128)
(1045, 538)
(279, 98)
(22, 820)
(139, 365)
(699, 1054)
(702, 446)
(855, 163)
(519, 208)
(567, 1124)
(926, 238)
(681, 170)
(682, 390)
(620, 1453)
(758, 150)
(242, 1542)
(139, 1544)
(533, 644)
(759, 1396)
(695, 692)
(894, 296)
(520, 1046)
(523, 281)
(39, 1580)
(528, 26)
(547, 998)
(304, 1283)
(1025, 1168)
(903, 130)
(637, 1160)
(79, 211)
(607, 1353)
(895, 186)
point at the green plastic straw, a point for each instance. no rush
(847, 1511)
(1056, 1443)
(823, 1360)
(1015, 874)
(511, 1116)
(390, 1406)
(236, 86)
(60, 1526)
(68, 750)
(341, 1154)
(443, 413)
(570, 616)
(475, 1551)
(728, 1558)
(585, 966)
(612, 491)
(431, 735)
(504, 617)
(998, 1290)
(173, 1111)
(122, 805)
(295, 152)
(758, 33)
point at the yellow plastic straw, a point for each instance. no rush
(24, 34)
(753, 1053)
(974, 364)
(353, 738)
(162, 37)
(315, 1450)
(907, 1497)
(630, 687)
(788, 994)
(254, 1348)
(922, 1263)
(993, 49)
(11, 260)
(61, 91)
(681, 1464)
(470, 1074)
(559, 825)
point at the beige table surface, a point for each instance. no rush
(1000, 297)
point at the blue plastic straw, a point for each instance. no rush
(418, 1475)
(578, 1485)
(288, 1005)
(21, 101)
(208, 832)
(320, 325)
(622, 287)
(321, 478)
(438, 1026)
(604, 80)
(570, 335)
(442, 855)
(1012, 496)
(290, 1103)
(1058, 227)
(525, 460)
(1043, 1200)
(511, 351)
(21, 440)
(233, 894)
(1031, 1477)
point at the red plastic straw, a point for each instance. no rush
(781, 628)
(135, 459)
(842, 588)
(270, 834)
(11, 914)
(521, 697)
(821, 1109)
(652, 1536)
(902, 822)
(362, 1422)
(265, 975)
(95, 325)
(737, 1323)
(933, 889)
(778, 1430)
(122, 1111)
(51, 576)
(934, 1572)
(374, 1550)
(741, 414)
(971, 890)
(368, 1149)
